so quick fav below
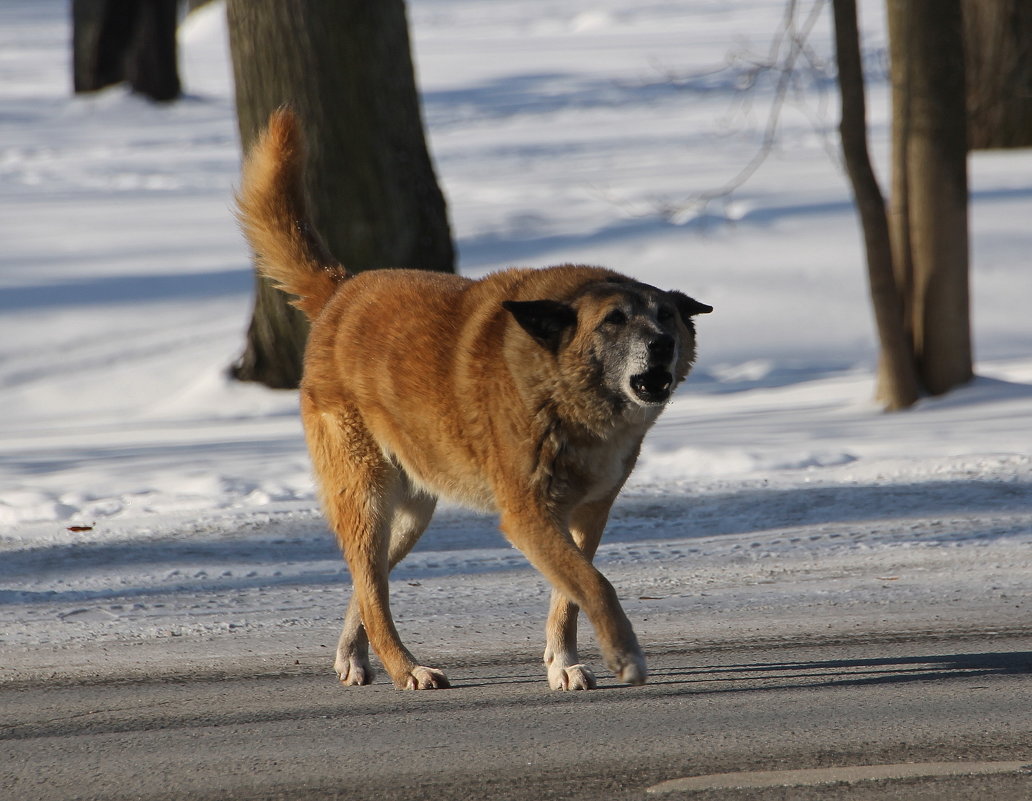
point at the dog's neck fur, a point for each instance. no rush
(583, 457)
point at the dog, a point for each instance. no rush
(525, 393)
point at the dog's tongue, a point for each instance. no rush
(652, 386)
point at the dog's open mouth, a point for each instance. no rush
(652, 386)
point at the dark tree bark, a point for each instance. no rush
(917, 254)
(899, 204)
(345, 68)
(930, 121)
(134, 41)
(998, 57)
(897, 379)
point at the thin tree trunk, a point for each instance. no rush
(345, 68)
(897, 381)
(936, 178)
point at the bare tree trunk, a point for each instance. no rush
(897, 380)
(929, 37)
(345, 68)
(275, 341)
(150, 66)
(998, 57)
(126, 40)
(899, 196)
(917, 255)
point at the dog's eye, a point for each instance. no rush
(664, 314)
(616, 317)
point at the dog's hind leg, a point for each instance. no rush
(361, 489)
(555, 555)
(565, 671)
(410, 519)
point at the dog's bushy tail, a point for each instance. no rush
(274, 217)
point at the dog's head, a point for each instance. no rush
(633, 342)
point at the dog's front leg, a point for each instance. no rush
(565, 670)
(352, 661)
(554, 554)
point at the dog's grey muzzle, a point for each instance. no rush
(655, 384)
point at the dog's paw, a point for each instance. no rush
(423, 678)
(570, 677)
(630, 668)
(353, 671)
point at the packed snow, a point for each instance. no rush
(153, 512)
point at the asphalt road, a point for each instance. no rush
(499, 733)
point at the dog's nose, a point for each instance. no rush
(662, 347)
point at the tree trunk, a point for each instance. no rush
(933, 148)
(897, 380)
(150, 63)
(345, 68)
(899, 194)
(276, 336)
(998, 58)
(126, 40)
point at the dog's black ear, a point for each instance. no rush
(545, 320)
(688, 307)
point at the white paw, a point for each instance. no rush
(423, 678)
(354, 670)
(570, 677)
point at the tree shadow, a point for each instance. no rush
(763, 509)
(675, 520)
(800, 674)
(126, 290)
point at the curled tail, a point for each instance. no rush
(274, 217)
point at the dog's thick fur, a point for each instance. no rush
(526, 393)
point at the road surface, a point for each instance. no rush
(499, 733)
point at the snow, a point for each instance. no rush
(153, 511)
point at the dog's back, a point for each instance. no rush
(445, 378)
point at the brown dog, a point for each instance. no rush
(526, 393)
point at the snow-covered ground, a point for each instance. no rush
(150, 510)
